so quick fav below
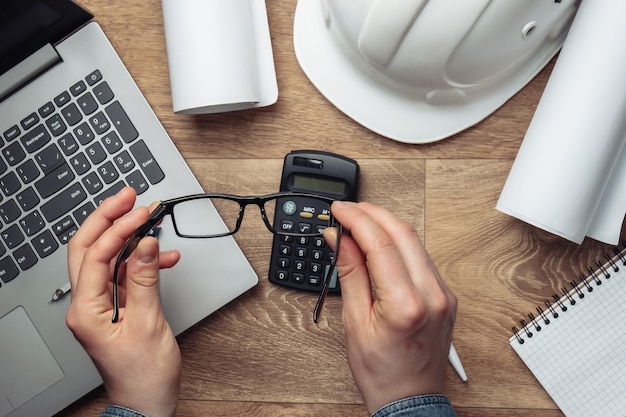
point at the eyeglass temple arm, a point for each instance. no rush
(327, 278)
(131, 244)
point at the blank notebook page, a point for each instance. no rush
(580, 356)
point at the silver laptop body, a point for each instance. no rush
(46, 106)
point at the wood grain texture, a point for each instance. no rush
(261, 355)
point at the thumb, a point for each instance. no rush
(142, 281)
(356, 290)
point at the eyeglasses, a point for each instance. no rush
(219, 215)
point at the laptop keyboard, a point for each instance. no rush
(60, 162)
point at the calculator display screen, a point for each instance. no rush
(319, 184)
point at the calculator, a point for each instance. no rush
(301, 262)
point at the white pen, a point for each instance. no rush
(60, 293)
(453, 357)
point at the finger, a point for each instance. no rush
(356, 289)
(407, 243)
(98, 258)
(94, 226)
(385, 262)
(142, 290)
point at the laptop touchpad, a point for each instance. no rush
(28, 367)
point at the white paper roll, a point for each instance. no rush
(219, 55)
(578, 130)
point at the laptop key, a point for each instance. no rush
(11, 133)
(99, 123)
(112, 142)
(27, 199)
(78, 88)
(35, 139)
(32, 223)
(84, 134)
(25, 257)
(108, 172)
(10, 184)
(65, 229)
(45, 244)
(122, 123)
(29, 121)
(94, 77)
(146, 161)
(46, 110)
(92, 183)
(80, 163)
(124, 162)
(10, 211)
(49, 159)
(138, 182)
(55, 181)
(12, 236)
(83, 212)
(71, 114)
(8, 270)
(28, 171)
(14, 154)
(68, 144)
(62, 99)
(64, 202)
(103, 93)
(87, 103)
(56, 125)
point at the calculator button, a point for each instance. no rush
(318, 242)
(282, 275)
(314, 280)
(299, 278)
(286, 239)
(301, 252)
(299, 265)
(304, 228)
(290, 207)
(306, 215)
(283, 262)
(287, 226)
(323, 217)
(303, 240)
(316, 268)
(285, 250)
(317, 255)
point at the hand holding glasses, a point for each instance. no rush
(191, 220)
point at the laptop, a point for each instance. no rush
(75, 129)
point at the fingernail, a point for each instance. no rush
(145, 253)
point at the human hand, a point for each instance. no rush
(138, 357)
(398, 314)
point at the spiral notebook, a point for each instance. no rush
(575, 345)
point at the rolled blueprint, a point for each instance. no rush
(219, 55)
(577, 133)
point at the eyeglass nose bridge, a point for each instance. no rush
(243, 204)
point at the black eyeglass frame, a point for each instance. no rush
(166, 207)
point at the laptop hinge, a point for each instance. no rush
(27, 70)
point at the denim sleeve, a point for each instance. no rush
(419, 406)
(117, 411)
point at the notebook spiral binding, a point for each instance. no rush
(560, 303)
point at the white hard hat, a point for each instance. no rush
(421, 70)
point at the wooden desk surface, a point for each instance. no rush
(261, 355)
